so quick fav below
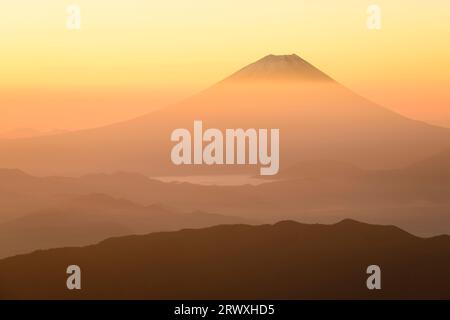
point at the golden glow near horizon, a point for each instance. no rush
(141, 46)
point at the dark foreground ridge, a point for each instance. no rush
(287, 260)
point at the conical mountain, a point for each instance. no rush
(318, 119)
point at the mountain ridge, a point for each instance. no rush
(287, 260)
(90, 218)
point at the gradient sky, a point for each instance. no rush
(134, 55)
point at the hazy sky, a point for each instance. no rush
(132, 55)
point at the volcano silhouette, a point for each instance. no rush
(318, 118)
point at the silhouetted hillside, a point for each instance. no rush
(287, 260)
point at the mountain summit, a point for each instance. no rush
(284, 67)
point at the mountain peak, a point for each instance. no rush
(283, 57)
(6, 173)
(280, 67)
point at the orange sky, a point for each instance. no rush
(132, 56)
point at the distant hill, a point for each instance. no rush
(322, 191)
(20, 133)
(89, 219)
(287, 260)
(320, 169)
(21, 193)
(436, 167)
